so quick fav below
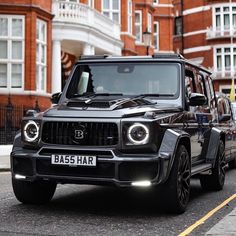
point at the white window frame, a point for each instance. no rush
(9, 61)
(225, 86)
(140, 25)
(40, 64)
(130, 18)
(156, 35)
(225, 71)
(110, 11)
(149, 22)
(221, 30)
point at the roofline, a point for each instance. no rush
(166, 57)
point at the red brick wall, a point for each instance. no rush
(197, 22)
(31, 9)
(45, 5)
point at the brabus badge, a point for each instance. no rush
(79, 134)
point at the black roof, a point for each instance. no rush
(156, 57)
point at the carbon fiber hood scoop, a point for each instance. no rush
(110, 104)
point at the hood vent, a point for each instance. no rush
(112, 104)
(97, 104)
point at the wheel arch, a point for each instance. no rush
(212, 149)
(186, 142)
(167, 152)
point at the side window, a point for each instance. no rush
(209, 93)
(188, 85)
(202, 88)
(220, 105)
(209, 85)
(200, 84)
(189, 82)
(227, 106)
(223, 106)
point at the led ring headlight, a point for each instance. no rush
(138, 133)
(31, 131)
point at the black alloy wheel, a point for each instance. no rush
(35, 192)
(216, 180)
(175, 191)
(183, 185)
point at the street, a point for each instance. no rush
(93, 210)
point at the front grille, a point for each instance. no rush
(80, 133)
(102, 170)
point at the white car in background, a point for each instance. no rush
(233, 104)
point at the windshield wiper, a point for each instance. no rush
(154, 95)
(92, 95)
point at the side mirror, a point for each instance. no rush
(197, 99)
(56, 97)
(224, 117)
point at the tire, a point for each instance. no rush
(36, 192)
(176, 191)
(232, 164)
(216, 180)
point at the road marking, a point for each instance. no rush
(207, 216)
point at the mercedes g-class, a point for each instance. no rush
(129, 122)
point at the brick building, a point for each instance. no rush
(40, 40)
(205, 32)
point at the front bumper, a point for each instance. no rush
(113, 167)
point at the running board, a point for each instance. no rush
(200, 169)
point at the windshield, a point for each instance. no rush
(159, 80)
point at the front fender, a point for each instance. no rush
(213, 145)
(17, 141)
(169, 145)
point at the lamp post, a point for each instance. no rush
(147, 40)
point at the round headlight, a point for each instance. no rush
(138, 134)
(31, 131)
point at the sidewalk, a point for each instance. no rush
(5, 151)
(225, 227)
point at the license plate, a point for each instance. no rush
(73, 160)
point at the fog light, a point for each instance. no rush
(144, 183)
(20, 176)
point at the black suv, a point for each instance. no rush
(129, 122)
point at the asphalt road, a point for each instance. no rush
(92, 210)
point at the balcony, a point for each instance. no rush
(78, 29)
(226, 73)
(78, 24)
(214, 33)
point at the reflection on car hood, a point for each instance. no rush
(109, 108)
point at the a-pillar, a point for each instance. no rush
(56, 66)
(88, 49)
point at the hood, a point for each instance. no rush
(109, 108)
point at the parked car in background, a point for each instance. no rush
(233, 106)
(130, 122)
(226, 111)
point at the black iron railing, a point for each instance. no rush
(10, 121)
